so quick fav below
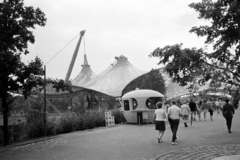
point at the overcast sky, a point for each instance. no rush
(133, 28)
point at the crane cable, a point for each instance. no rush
(62, 49)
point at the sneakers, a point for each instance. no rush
(185, 124)
(174, 143)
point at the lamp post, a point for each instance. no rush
(45, 105)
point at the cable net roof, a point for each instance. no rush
(112, 80)
(121, 72)
(85, 75)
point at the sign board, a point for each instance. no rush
(109, 119)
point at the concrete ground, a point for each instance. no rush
(203, 140)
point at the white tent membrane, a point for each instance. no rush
(121, 72)
(115, 78)
(85, 75)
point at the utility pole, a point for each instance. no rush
(45, 107)
(66, 80)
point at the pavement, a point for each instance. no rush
(204, 140)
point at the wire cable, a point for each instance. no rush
(61, 49)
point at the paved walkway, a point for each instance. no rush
(216, 152)
(32, 146)
(203, 140)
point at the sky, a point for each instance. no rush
(133, 28)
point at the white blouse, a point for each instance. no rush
(160, 114)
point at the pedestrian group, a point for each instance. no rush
(184, 110)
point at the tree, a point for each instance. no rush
(16, 24)
(183, 65)
(223, 64)
(152, 80)
(60, 84)
(223, 33)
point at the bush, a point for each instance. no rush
(35, 130)
(52, 126)
(88, 120)
(18, 132)
(93, 118)
(99, 118)
(118, 116)
(66, 124)
(79, 124)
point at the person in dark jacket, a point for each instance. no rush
(193, 108)
(228, 112)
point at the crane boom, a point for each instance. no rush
(74, 57)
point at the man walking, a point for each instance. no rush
(185, 113)
(174, 114)
(193, 108)
(228, 112)
(217, 104)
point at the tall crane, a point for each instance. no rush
(74, 57)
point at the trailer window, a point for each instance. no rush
(126, 105)
(135, 103)
(151, 102)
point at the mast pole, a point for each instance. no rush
(74, 57)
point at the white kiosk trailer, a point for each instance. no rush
(138, 106)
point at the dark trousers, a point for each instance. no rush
(174, 123)
(229, 122)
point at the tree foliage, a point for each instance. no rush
(16, 24)
(183, 65)
(152, 80)
(60, 84)
(222, 32)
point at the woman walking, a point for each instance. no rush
(211, 106)
(159, 117)
(185, 112)
(205, 108)
(199, 109)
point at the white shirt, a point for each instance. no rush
(185, 109)
(174, 112)
(160, 114)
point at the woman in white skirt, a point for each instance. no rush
(159, 116)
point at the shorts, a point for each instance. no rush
(160, 125)
(210, 111)
(185, 117)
